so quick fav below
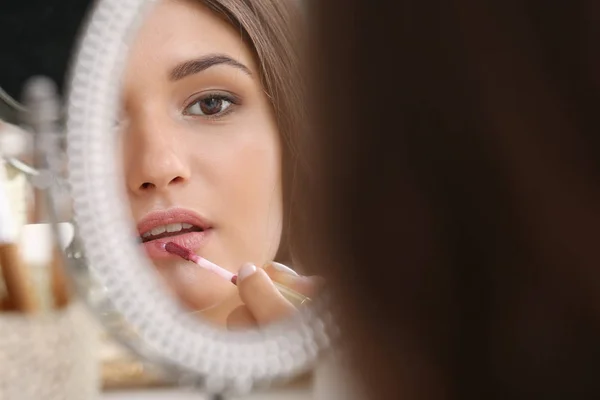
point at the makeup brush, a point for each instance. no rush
(292, 296)
(14, 273)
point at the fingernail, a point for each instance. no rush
(284, 268)
(246, 271)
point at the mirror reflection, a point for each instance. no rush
(211, 107)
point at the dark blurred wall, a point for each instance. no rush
(37, 37)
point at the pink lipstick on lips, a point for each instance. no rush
(184, 227)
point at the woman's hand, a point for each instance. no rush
(263, 303)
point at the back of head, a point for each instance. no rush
(458, 207)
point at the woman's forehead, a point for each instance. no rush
(176, 31)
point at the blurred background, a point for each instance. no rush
(37, 38)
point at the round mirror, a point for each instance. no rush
(182, 117)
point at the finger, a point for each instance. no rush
(262, 297)
(306, 285)
(220, 314)
(240, 318)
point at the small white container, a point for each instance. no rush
(36, 245)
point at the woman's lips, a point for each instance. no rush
(190, 240)
(175, 215)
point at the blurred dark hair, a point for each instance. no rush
(456, 209)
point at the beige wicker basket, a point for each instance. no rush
(48, 356)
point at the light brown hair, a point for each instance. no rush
(274, 31)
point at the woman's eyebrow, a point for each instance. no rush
(195, 66)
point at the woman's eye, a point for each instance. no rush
(209, 106)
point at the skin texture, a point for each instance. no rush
(226, 168)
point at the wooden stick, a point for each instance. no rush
(60, 286)
(20, 293)
(6, 304)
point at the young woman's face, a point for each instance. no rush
(201, 149)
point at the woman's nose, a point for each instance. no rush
(154, 162)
